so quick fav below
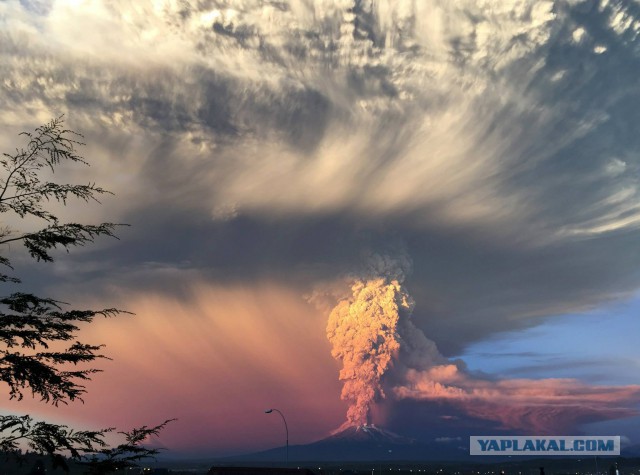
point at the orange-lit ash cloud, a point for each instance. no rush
(373, 336)
(364, 333)
(370, 332)
(533, 406)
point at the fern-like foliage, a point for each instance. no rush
(39, 352)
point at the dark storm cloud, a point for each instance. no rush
(463, 290)
(284, 142)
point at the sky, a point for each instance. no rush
(423, 215)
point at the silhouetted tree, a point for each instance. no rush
(39, 352)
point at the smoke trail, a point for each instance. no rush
(363, 330)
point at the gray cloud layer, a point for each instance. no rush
(495, 140)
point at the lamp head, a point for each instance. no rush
(268, 411)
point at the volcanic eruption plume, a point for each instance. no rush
(364, 332)
(373, 335)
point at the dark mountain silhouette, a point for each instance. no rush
(363, 443)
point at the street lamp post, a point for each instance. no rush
(269, 411)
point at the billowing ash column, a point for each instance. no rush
(363, 330)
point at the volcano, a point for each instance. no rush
(363, 443)
(367, 434)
